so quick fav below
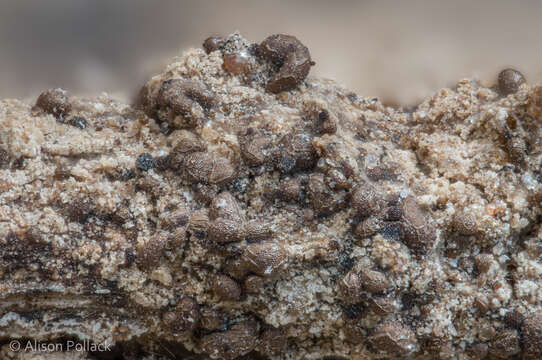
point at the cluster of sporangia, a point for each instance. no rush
(316, 171)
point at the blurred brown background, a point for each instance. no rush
(399, 51)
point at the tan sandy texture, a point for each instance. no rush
(296, 225)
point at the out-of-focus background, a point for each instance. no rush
(399, 51)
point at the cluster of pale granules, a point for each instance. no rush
(241, 209)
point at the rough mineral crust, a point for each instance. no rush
(243, 209)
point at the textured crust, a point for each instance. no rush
(306, 223)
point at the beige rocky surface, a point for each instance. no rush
(241, 208)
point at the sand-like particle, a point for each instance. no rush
(241, 207)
